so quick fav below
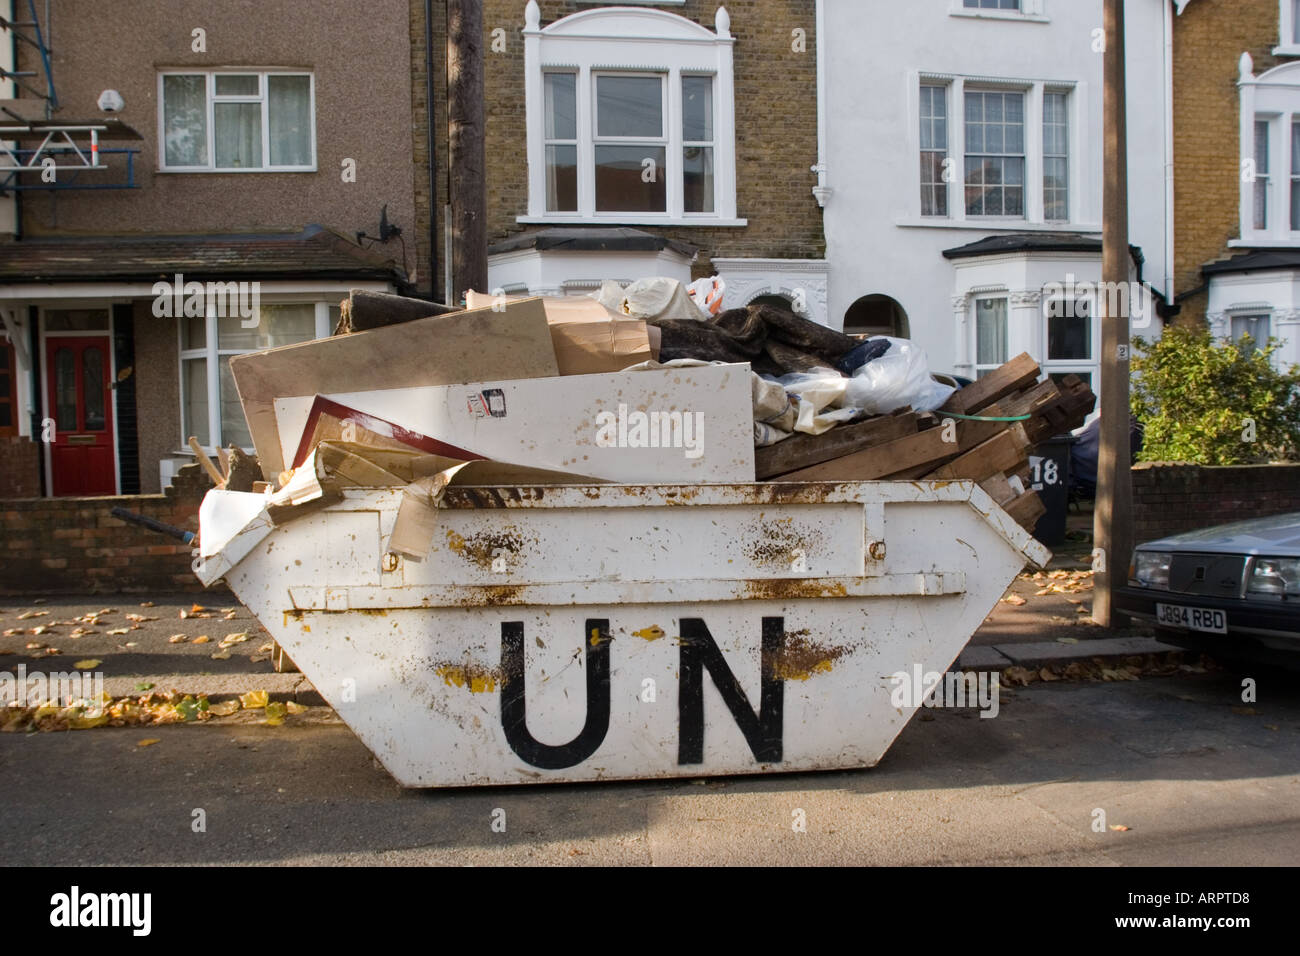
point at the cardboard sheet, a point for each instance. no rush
(461, 347)
(587, 337)
(663, 425)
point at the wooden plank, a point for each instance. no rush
(804, 451)
(1006, 451)
(1026, 510)
(1019, 373)
(901, 457)
(999, 489)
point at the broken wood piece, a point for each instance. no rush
(999, 489)
(804, 451)
(363, 310)
(1026, 509)
(261, 487)
(1006, 451)
(218, 478)
(223, 462)
(1013, 376)
(243, 471)
(901, 457)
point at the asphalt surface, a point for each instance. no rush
(1196, 776)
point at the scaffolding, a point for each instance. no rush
(45, 154)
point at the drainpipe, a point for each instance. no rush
(433, 147)
(822, 191)
(1169, 151)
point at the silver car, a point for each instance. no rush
(1232, 590)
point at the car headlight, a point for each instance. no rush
(1151, 568)
(1275, 577)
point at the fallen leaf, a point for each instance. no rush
(224, 709)
(1080, 610)
(1015, 600)
(120, 630)
(201, 639)
(222, 655)
(15, 631)
(266, 648)
(197, 609)
(41, 629)
(254, 699)
(144, 685)
(28, 615)
(140, 618)
(89, 664)
(275, 712)
(1047, 675)
(147, 742)
(296, 708)
(83, 722)
(1119, 827)
(146, 603)
(257, 658)
(1067, 640)
(177, 639)
(237, 638)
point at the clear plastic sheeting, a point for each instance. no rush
(899, 377)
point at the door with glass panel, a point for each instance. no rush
(79, 400)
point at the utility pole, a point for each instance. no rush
(466, 159)
(1113, 518)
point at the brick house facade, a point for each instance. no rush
(1236, 80)
(773, 245)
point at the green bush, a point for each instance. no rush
(1202, 399)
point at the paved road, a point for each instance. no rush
(1196, 776)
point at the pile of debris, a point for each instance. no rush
(983, 433)
(635, 386)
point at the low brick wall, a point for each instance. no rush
(1169, 498)
(75, 545)
(20, 472)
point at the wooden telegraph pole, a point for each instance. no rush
(465, 133)
(1113, 518)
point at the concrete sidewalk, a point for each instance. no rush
(158, 643)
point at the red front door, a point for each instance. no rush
(78, 399)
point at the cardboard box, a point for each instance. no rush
(514, 342)
(664, 425)
(586, 336)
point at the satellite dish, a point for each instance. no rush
(110, 101)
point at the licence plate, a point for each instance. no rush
(1193, 618)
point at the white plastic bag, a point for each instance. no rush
(658, 298)
(899, 377)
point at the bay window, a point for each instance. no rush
(210, 406)
(650, 142)
(236, 121)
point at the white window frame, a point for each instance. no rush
(212, 99)
(1287, 44)
(631, 41)
(212, 356)
(975, 298)
(1034, 91)
(1243, 312)
(1272, 98)
(1031, 11)
(1091, 367)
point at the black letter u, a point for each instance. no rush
(514, 713)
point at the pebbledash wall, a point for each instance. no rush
(1170, 498)
(76, 545)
